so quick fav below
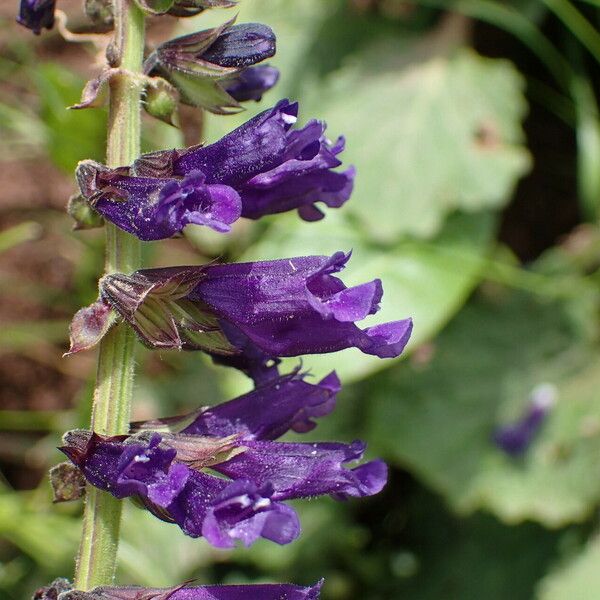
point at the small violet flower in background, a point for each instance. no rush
(36, 14)
(270, 167)
(61, 589)
(515, 438)
(164, 464)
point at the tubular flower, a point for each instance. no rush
(153, 208)
(269, 166)
(167, 473)
(266, 413)
(36, 14)
(284, 307)
(61, 589)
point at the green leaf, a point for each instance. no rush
(72, 135)
(426, 280)
(437, 418)
(428, 136)
(579, 579)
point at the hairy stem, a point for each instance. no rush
(97, 558)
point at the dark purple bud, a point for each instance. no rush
(36, 14)
(285, 403)
(284, 307)
(90, 325)
(515, 438)
(199, 63)
(232, 47)
(266, 591)
(252, 83)
(241, 46)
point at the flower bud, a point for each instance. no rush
(161, 100)
(202, 64)
(83, 214)
(100, 12)
(36, 14)
(67, 482)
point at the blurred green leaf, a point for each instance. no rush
(436, 417)
(16, 336)
(442, 556)
(142, 557)
(448, 128)
(578, 579)
(23, 232)
(72, 134)
(588, 146)
(50, 538)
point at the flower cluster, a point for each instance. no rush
(263, 167)
(222, 473)
(218, 473)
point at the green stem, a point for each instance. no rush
(97, 558)
(579, 26)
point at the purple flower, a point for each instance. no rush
(257, 364)
(515, 438)
(266, 413)
(153, 208)
(167, 472)
(300, 470)
(284, 307)
(252, 83)
(201, 504)
(36, 14)
(267, 591)
(270, 166)
(275, 168)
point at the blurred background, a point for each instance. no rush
(474, 128)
